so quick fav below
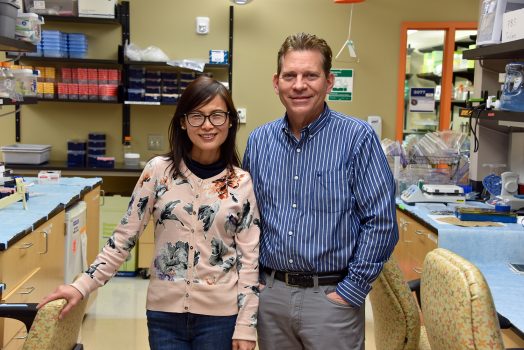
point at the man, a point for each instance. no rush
(326, 198)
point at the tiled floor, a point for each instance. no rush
(117, 321)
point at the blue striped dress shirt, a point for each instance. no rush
(326, 201)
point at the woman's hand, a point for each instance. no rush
(243, 344)
(67, 292)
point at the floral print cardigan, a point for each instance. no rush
(206, 244)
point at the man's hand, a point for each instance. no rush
(337, 299)
(67, 292)
(243, 344)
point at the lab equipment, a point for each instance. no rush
(433, 194)
(509, 192)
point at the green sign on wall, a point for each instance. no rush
(343, 88)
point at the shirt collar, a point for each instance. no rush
(311, 129)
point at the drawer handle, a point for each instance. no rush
(22, 337)
(46, 236)
(419, 232)
(25, 245)
(29, 290)
(103, 194)
(417, 270)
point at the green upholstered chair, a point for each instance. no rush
(395, 312)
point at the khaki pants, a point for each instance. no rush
(295, 318)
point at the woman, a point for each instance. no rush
(203, 292)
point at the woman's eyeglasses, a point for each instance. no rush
(216, 118)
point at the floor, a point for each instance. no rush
(117, 318)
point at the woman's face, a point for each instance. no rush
(207, 138)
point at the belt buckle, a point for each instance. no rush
(286, 279)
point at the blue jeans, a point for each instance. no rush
(187, 331)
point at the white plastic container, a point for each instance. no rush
(26, 153)
(132, 159)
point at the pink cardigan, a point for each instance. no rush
(206, 244)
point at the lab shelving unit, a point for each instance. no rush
(494, 126)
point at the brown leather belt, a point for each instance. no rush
(306, 279)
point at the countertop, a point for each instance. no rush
(489, 248)
(44, 202)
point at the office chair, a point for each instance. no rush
(45, 330)
(395, 312)
(457, 306)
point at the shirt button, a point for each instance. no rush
(186, 308)
(192, 230)
(188, 282)
(294, 205)
(194, 213)
(190, 266)
(290, 261)
(187, 294)
(310, 136)
(290, 233)
(196, 196)
(295, 177)
(191, 247)
(298, 150)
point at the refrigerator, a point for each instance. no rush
(76, 242)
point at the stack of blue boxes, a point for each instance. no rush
(76, 45)
(153, 86)
(96, 147)
(53, 44)
(76, 153)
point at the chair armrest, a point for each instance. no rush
(22, 312)
(414, 285)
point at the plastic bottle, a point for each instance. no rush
(127, 145)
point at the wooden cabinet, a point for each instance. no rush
(146, 248)
(31, 269)
(92, 199)
(415, 241)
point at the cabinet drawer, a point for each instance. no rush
(29, 291)
(422, 242)
(19, 260)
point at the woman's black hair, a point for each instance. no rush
(198, 93)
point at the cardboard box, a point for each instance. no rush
(513, 25)
(96, 8)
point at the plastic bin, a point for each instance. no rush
(26, 154)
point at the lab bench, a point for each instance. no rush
(32, 244)
(489, 248)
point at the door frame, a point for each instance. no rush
(447, 68)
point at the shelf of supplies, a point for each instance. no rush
(509, 50)
(66, 60)
(10, 102)
(8, 44)
(496, 119)
(76, 19)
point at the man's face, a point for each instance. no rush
(302, 85)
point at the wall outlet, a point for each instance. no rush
(155, 142)
(242, 115)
